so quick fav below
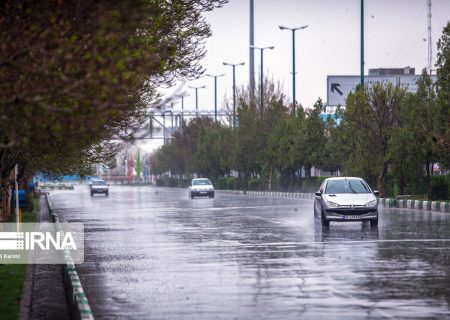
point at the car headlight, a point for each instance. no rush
(372, 203)
(332, 204)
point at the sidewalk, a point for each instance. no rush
(44, 287)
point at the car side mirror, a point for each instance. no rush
(375, 192)
(318, 194)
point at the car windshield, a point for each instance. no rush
(201, 182)
(346, 186)
(99, 183)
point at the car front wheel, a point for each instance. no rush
(325, 222)
(374, 223)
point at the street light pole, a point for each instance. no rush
(293, 62)
(196, 97)
(234, 87)
(362, 44)
(182, 106)
(215, 92)
(261, 106)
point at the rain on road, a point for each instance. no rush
(153, 253)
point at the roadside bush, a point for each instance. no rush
(166, 181)
(255, 184)
(312, 184)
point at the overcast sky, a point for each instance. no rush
(395, 36)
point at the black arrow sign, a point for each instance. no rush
(335, 86)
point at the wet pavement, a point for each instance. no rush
(153, 253)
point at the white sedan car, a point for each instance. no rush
(201, 187)
(346, 199)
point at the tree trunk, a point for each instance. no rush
(5, 200)
(381, 179)
(270, 179)
(417, 191)
(402, 187)
(308, 171)
(428, 184)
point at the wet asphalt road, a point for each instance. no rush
(153, 253)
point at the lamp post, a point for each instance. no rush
(362, 44)
(234, 87)
(293, 61)
(182, 105)
(196, 97)
(215, 92)
(261, 106)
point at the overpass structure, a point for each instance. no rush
(162, 123)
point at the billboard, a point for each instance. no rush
(338, 87)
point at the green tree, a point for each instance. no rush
(372, 114)
(331, 160)
(73, 74)
(441, 134)
(411, 147)
(314, 139)
(212, 158)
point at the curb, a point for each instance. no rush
(415, 204)
(297, 195)
(56, 187)
(76, 298)
(27, 293)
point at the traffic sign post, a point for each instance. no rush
(339, 87)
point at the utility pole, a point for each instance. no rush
(293, 62)
(196, 97)
(233, 65)
(430, 45)
(261, 102)
(215, 92)
(252, 54)
(362, 42)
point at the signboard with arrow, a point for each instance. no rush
(338, 87)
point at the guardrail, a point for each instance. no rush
(277, 194)
(76, 299)
(385, 202)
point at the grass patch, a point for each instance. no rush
(12, 276)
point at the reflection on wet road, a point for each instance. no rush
(153, 253)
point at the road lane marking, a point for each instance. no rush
(248, 207)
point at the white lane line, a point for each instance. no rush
(294, 244)
(248, 207)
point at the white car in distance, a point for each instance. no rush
(201, 187)
(99, 186)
